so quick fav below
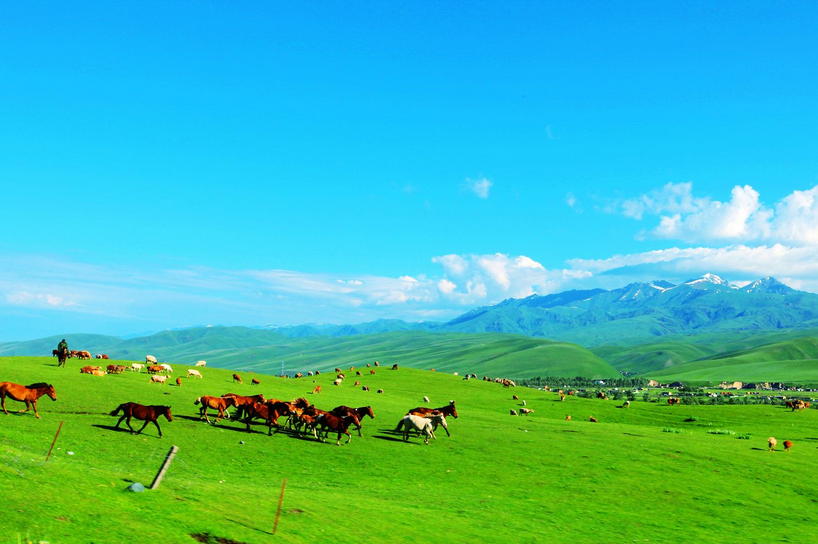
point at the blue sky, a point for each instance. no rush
(173, 164)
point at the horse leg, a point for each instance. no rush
(28, 406)
(142, 428)
(359, 431)
(3, 401)
(157, 427)
(346, 432)
(128, 422)
(34, 404)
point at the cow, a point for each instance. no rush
(771, 442)
(371, 371)
(193, 373)
(568, 417)
(787, 445)
(89, 369)
(104, 356)
(425, 399)
(84, 354)
(358, 373)
(98, 372)
(158, 379)
(515, 397)
(236, 378)
(341, 376)
(155, 369)
(356, 384)
(201, 363)
(150, 359)
(254, 381)
(671, 401)
(298, 375)
(97, 356)
(377, 363)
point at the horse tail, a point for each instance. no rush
(118, 408)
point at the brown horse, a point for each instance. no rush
(148, 414)
(336, 424)
(25, 393)
(357, 413)
(221, 404)
(269, 411)
(243, 401)
(447, 411)
(62, 356)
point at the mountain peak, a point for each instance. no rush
(710, 279)
(767, 285)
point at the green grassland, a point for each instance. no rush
(498, 478)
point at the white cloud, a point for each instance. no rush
(24, 298)
(446, 287)
(480, 187)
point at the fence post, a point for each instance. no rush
(165, 465)
(54, 441)
(280, 500)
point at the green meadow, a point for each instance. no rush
(647, 473)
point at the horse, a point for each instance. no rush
(435, 417)
(421, 424)
(338, 424)
(268, 411)
(26, 393)
(62, 357)
(357, 413)
(148, 414)
(221, 404)
(243, 401)
(447, 411)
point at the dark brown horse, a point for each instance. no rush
(357, 413)
(336, 424)
(268, 411)
(62, 356)
(148, 414)
(25, 393)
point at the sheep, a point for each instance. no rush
(592, 419)
(524, 404)
(513, 412)
(772, 443)
(515, 397)
(526, 411)
(380, 390)
(627, 403)
(425, 399)
(787, 445)
(356, 384)
(337, 382)
(365, 388)
(568, 417)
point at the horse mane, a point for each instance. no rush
(37, 385)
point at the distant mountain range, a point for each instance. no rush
(632, 314)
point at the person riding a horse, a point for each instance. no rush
(62, 352)
(62, 346)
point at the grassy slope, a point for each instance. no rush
(540, 478)
(789, 361)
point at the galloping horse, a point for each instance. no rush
(336, 424)
(26, 393)
(269, 411)
(148, 414)
(447, 411)
(62, 356)
(357, 413)
(242, 402)
(221, 404)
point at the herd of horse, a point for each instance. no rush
(302, 416)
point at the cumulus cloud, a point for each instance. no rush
(743, 218)
(480, 187)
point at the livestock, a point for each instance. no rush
(98, 372)
(25, 393)
(357, 413)
(337, 424)
(351, 368)
(89, 369)
(148, 414)
(316, 390)
(254, 381)
(526, 411)
(425, 399)
(121, 368)
(787, 445)
(592, 419)
(154, 369)
(201, 363)
(627, 404)
(771, 442)
(513, 412)
(310, 373)
(167, 368)
(380, 390)
(268, 411)
(372, 372)
(365, 387)
(97, 356)
(236, 378)
(368, 365)
(420, 424)
(158, 379)
(54, 352)
(601, 395)
(515, 397)
(562, 397)
(150, 359)
(337, 382)
(395, 366)
(113, 369)
(193, 373)
(137, 367)
(337, 370)
(358, 373)
(298, 375)
(672, 400)
(568, 417)
(104, 356)
(73, 353)
(524, 404)
(449, 410)
(341, 376)
(356, 384)
(377, 363)
(221, 404)
(84, 354)
(455, 374)
(242, 402)
(62, 357)
(179, 382)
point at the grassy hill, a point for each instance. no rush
(540, 478)
(789, 361)
(509, 355)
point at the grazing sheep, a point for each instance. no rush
(150, 359)
(513, 412)
(772, 443)
(337, 370)
(179, 382)
(358, 373)
(193, 373)
(425, 399)
(456, 374)
(309, 373)
(167, 368)
(515, 397)
(377, 363)
(201, 363)
(526, 411)
(364, 388)
(562, 397)
(337, 382)
(158, 379)
(371, 371)
(568, 417)
(341, 376)
(627, 403)
(356, 384)
(395, 366)
(524, 404)
(592, 419)
(380, 390)
(137, 367)
(787, 445)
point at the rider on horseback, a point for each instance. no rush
(62, 346)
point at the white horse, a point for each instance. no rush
(423, 425)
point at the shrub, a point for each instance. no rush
(692, 418)
(722, 431)
(744, 436)
(671, 430)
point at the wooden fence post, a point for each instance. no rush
(165, 465)
(280, 500)
(53, 441)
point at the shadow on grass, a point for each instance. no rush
(390, 438)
